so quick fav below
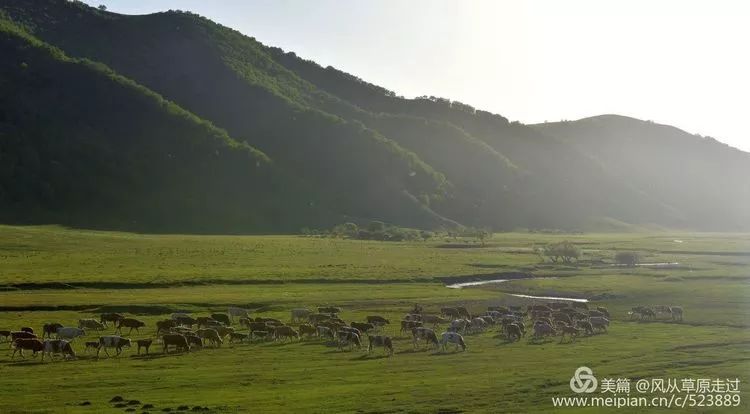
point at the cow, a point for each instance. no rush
(70, 333)
(513, 332)
(259, 334)
(180, 342)
(307, 330)
(5, 334)
(542, 329)
(258, 326)
(454, 338)
(433, 320)
(317, 318)
(185, 320)
(585, 326)
(599, 323)
(477, 325)
(597, 313)
(333, 310)
(239, 312)
(193, 339)
(165, 325)
(348, 338)
(91, 345)
(110, 317)
(92, 324)
(236, 336)
(223, 331)
(450, 312)
(28, 344)
(54, 347)
(129, 323)
(222, 317)
(377, 320)
(143, 343)
(206, 321)
(460, 325)
(300, 314)
(270, 321)
(677, 313)
(572, 331)
(413, 317)
(285, 332)
(112, 341)
(210, 335)
(27, 329)
(426, 334)
(603, 310)
(362, 326)
(379, 340)
(324, 331)
(463, 312)
(50, 328)
(407, 326)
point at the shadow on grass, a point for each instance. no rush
(367, 357)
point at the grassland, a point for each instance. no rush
(55, 274)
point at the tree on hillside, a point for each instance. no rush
(627, 258)
(565, 251)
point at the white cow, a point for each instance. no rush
(70, 332)
(112, 341)
(54, 347)
(453, 338)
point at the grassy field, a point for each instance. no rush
(55, 274)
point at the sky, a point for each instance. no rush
(678, 62)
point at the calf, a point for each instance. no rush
(180, 342)
(385, 341)
(112, 341)
(129, 323)
(144, 343)
(92, 345)
(28, 344)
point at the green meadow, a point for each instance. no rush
(53, 274)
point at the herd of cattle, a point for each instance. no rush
(183, 332)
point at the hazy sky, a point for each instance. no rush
(680, 62)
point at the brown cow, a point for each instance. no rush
(129, 323)
(193, 339)
(407, 326)
(224, 331)
(258, 326)
(307, 330)
(165, 326)
(206, 321)
(50, 328)
(377, 320)
(236, 336)
(222, 317)
(180, 342)
(363, 327)
(15, 335)
(284, 332)
(29, 344)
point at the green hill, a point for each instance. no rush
(357, 151)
